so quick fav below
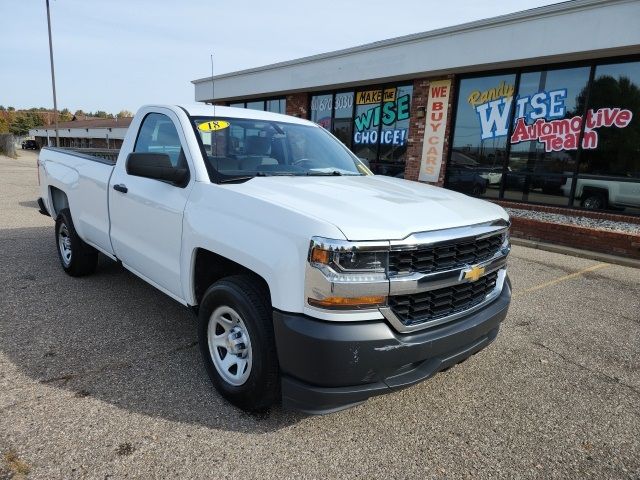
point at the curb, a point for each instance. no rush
(601, 257)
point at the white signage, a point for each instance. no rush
(434, 129)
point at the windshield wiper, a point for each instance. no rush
(333, 173)
(242, 178)
(258, 174)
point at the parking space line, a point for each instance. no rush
(564, 278)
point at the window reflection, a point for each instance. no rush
(614, 102)
(381, 127)
(550, 131)
(480, 135)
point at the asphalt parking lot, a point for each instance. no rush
(100, 377)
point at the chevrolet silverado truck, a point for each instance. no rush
(315, 282)
(604, 193)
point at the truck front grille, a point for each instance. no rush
(431, 305)
(441, 257)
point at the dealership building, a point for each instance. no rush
(540, 107)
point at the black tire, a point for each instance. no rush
(247, 296)
(83, 258)
(594, 201)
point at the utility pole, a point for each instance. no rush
(53, 77)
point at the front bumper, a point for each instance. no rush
(328, 366)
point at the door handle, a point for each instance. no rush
(121, 187)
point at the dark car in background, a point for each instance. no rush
(466, 175)
(29, 145)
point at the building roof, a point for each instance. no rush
(95, 123)
(572, 30)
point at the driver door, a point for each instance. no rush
(146, 214)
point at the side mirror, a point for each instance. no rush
(157, 166)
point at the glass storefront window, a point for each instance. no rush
(278, 105)
(335, 113)
(321, 106)
(609, 172)
(381, 127)
(571, 142)
(394, 132)
(343, 117)
(255, 105)
(544, 142)
(479, 146)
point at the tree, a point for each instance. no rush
(25, 122)
(4, 125)
(65, 115)
(103, 114)
(11, 109)
(124, 114)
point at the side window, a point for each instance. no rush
(158, 134)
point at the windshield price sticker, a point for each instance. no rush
(213, 126)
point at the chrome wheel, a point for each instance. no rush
(229, 345)
(64, 244)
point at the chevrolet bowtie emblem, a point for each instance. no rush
(473, 273)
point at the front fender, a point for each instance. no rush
(268, 239)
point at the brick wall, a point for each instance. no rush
(298, 105)
(417, 125)
(603, 241)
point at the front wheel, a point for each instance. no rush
(594, 201)
(236, 340)
(77, 257)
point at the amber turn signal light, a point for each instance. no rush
(320, 256)
(349, 302)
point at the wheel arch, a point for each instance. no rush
(59, 200)
(589, 190)
(208, 267)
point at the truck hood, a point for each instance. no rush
(373, 207)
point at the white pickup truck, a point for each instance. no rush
(314, 281)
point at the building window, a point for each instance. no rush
(321, 108)
(275, 105)
(334, 111)
(539, 163)
(255, 105)
(609, 172)
(480, 135)
(567, 136)
(381, 127)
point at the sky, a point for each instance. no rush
(120, 54)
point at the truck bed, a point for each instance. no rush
(78, 179)
(103, 155)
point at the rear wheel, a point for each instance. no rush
(237, 344)
(77, 257)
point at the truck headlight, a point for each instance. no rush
(347, 275)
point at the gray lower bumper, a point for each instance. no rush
(328, 366)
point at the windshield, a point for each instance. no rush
(239, 149)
